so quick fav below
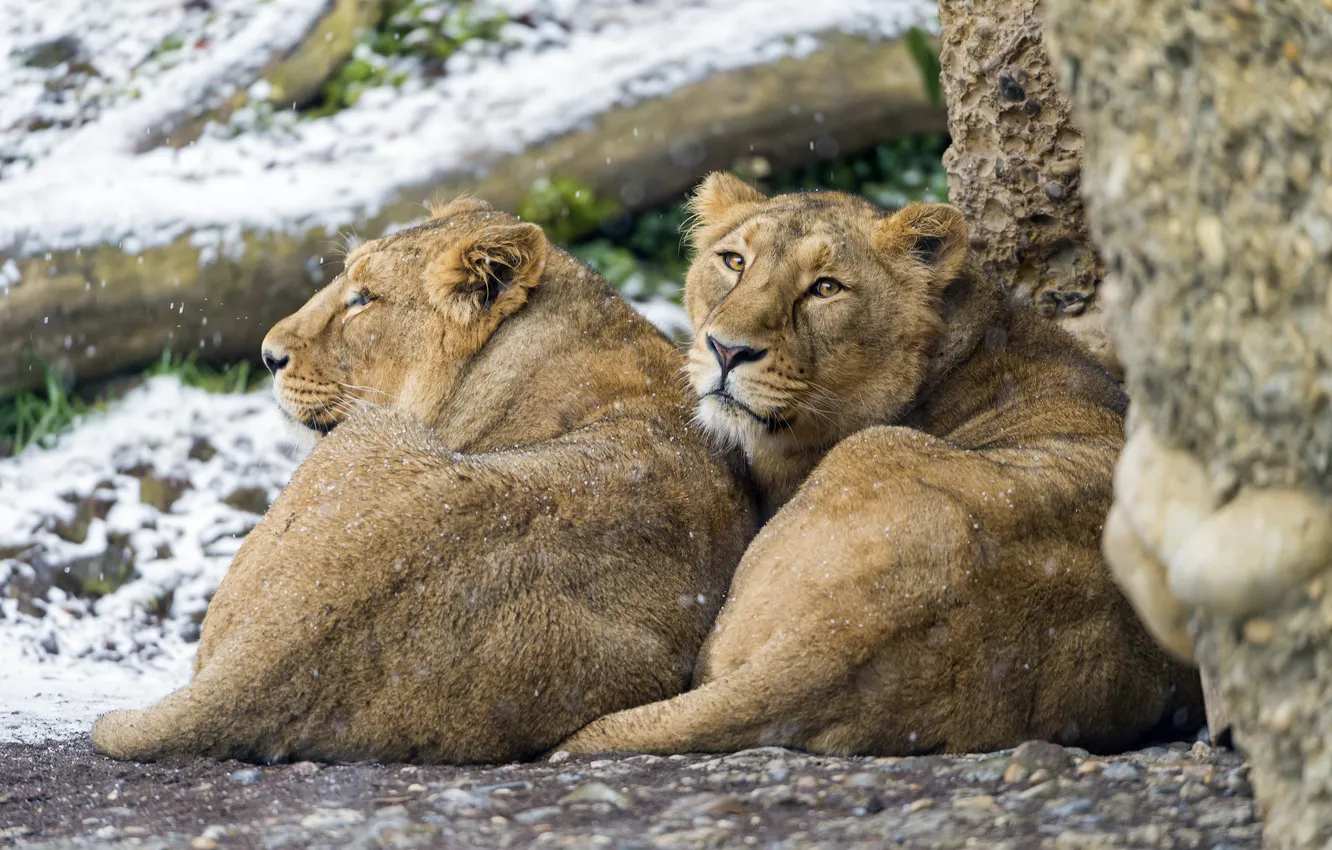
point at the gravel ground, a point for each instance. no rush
(1038, 796)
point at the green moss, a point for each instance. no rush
(646, 254)
(427, 31)
(169, 44)
(567, 210)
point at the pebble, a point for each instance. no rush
(332, 819)
(201, 843)
(596, 792)
(247, 776)
(538, 815)
(919, 805)
(983, 801)
(1120, 770)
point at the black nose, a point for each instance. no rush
(730, 356)
(275, 362)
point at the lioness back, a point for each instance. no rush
(510, 528)
(938, 468)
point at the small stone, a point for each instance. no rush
(394, 812)
(304, 768)
(247, 776)
(558, 756)
(918, 805)
(596, 792)
(1039, 776)
(1192, 791)
(332, 819)
(416, 788)
(252, 500)
(806, 783)
(201, 843)
(983, 801)
(864, 779)
(1069, 808)
(539, 815)
(161, 492)
(1120, 771)
(1259, 631)
(704, 805)
(1015, 773)
(201, 449)
(1087, 767)
(1038, 792)
(106, 832)
(1043, 754)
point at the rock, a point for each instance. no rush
(86, 509)
(704, 805)
(1015, 162)
(49, 54)
(596, 792)
(202, 450)
(201, 843)
(331, 820)
(161, 492)
(249, 499)
(982, 801)
(1043, 754)
(247, 776)
(304, 768)
(1120, 771)
(538, 815)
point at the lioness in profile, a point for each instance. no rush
(935, 582)
(521, 534)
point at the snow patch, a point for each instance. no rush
(344, 168)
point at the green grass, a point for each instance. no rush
(235, 378)
(39, 417)
(924, 52)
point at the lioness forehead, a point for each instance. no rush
(433, 233)
(791, 218)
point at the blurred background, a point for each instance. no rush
(178, 175)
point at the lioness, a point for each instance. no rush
(934, 584)
(520, 535)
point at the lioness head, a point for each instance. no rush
(407, 311)
(815, 315)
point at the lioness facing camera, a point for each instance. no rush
(518, 532)
(940, 467)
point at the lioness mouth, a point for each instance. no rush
(772, 421)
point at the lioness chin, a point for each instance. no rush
(512, 528)
(939, 466)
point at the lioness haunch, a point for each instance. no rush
(510, 530)
(940, 466)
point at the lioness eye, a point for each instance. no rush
(733, 261)
(826, 287)
(360, 299)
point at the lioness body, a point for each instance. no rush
(939, 466)
(530, 536)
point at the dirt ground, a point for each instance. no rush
(63, 795)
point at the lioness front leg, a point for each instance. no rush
(913, 597)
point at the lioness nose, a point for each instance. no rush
(275, 359)
(730, 356)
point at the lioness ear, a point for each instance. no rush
(933, 235)
(721, 193)
(456, 206)
(488, 272)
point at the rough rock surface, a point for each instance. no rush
(1209, 180)
(1039, 796)
(1015, 164)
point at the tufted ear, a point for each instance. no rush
(488, 272)
(460, 204)
(720, 194)
(933, 235)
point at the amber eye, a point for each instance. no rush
(825, 287)
(733, 261)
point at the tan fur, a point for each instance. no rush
(940, 467)
(512, 530)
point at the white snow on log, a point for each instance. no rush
(341, 169)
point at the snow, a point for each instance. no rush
(111, 653)
(89, 187)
